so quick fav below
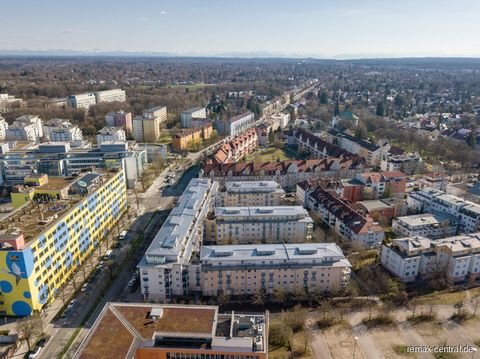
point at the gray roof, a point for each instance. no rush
(253, 186)
(327, 252)
(263, 212)
(169, 242)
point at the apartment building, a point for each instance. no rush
(46, 240)
(197, 113)
(380, 184)
(117, 95)
(339, 215)
(429, 225)
(82, 101)
(109, 134)
(249, 193)
(146, 129)
(120, 119)
(3, 128)
(262, 224)
(59, 130)
(248, 269)
(25, 128)
(287, 173)
(58, 159)
(182, 140)
(318, 147)
(349, 190)
(436, 181)
(372, 152)
(282, 118)
(407, 163)
(238, 148)
(411, 258)
(161, 331)
(468, 213)
(158, 112)
(8, 101)
(164, 268)
(236, 125)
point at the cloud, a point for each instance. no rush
(143, 19)
(163, 12)
(73, 31)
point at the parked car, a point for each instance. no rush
(84, 287)
(71, 304)
(65, 313)
(43, 341)
(35, 352)
(122, 235)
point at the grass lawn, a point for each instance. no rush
(267, 155)
(447, 297)
(165, 137)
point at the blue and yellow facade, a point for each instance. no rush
(32, 273)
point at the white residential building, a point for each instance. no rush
(236, 125)
(273, 224)
(409, 164)
(468, 213)
(429, 225)
(25, 128)
(59, 130)
(3, 128)
(82, 101)
(248, 269)
(164, 269)
(110, 96)
(159, 113)
(282, 118)
(250, 193)
(109, 134)
(418, 257)
(197, 113)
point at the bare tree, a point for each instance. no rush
(27, 329)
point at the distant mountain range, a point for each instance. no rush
(364, 58)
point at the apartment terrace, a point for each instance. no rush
(41, 212)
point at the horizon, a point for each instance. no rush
(320, 29)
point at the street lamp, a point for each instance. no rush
(354, 346)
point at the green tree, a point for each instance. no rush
(380, 109)
(323, 97)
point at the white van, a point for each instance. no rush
(122, 235)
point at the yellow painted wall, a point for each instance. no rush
(49, 260)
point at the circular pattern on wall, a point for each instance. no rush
(5, 286)
(21, 308)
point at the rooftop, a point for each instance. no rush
(124, 329)
(428, 219)
(253, 187)
(40, 214)
(375, 205)
(328, 252)
(266, 212)
(169, 243)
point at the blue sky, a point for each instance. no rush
(342, 28)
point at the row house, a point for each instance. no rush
(238, 148)
(344, 219)
(287, 173)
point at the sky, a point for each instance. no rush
(300, 28)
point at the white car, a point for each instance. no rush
(71, 304)
(84, 287)
(35, 353)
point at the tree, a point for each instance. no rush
(472, 140)
(27, 329)
(279, 295)
(380, 109)
(323, 97)
(259, 297)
